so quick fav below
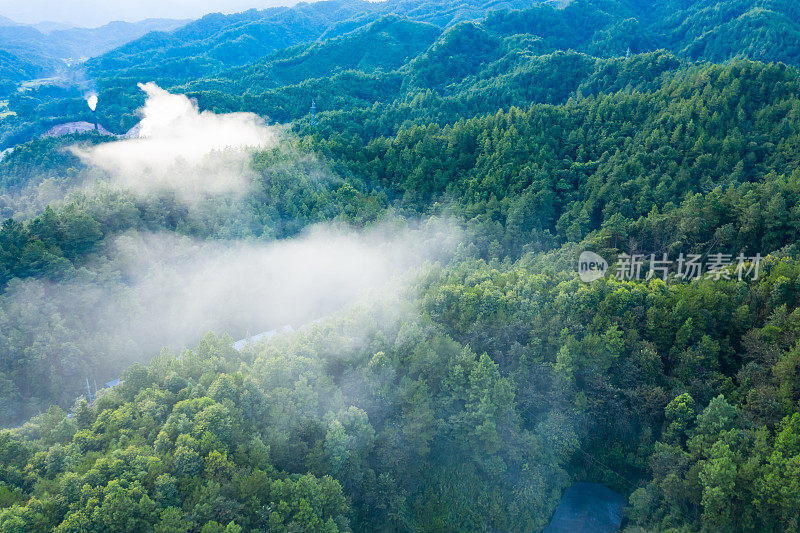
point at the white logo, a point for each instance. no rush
(591, 267)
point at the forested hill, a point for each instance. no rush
(231, 54)
(470, 397)
(764, 30)
(204, 46)
(46, 53)
(217, 41)
(209, 53)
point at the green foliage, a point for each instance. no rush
(511, 378)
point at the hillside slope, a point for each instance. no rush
(489, 378)
(215, 41)
(76, 43)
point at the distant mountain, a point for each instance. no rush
(27, 52)
(15, 68)
(48, 26)
(468, 61)
(446, 13)
(386, 44)
(218, 41)
(764, 30)
(78, 42)
(768, 30)
(90, 42)
(276, 61)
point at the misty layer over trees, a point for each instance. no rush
(459, 157)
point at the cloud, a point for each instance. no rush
(149, 290)
(190, 287)
(193, 153)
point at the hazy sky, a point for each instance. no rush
(97, 12)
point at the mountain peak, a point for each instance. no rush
(5, 21)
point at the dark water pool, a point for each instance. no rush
(587, 508)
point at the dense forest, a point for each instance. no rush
(502, 139)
